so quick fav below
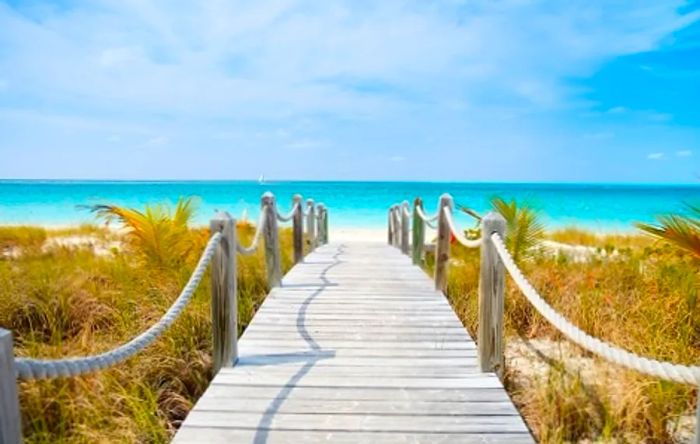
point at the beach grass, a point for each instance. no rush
(643, 299)
(80, 298)
(67, 300)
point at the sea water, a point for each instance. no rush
(602, 207)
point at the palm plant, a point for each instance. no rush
(681, 231)
(524, 230)
(162, 236)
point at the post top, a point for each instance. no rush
(404, 203)
(418, 201)
(494, 216)
(446, 199)
(309, 202)
(219, 221)
(321, 205)
(297, 198)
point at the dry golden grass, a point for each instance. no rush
(643, 300)
(71, 302)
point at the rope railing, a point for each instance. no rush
(459, 235)
(31, 368)
(219, 255)
(425, 217)
(289, 216)
(259, 228)
(652, 367)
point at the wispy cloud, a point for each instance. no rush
(157, 141)
(684, 153)
(655, 156)
(373, 79)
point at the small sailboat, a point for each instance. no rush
(261, 179)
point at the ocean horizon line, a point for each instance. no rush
(356, 181)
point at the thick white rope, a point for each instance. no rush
(663, 370)
(247, 251)
(289, 216)
(31, 368)
(425, 217)
(458, 234)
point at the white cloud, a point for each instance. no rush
(397, 158)
(286, 57)
(655, 156)
(303, 144)
(157, 141)
(112, 57)
(684, 153)
(372, 78)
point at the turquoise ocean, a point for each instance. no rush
(602, 207)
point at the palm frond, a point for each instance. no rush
(524, 230)
(162, 236)
(681, 231)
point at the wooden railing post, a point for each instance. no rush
(10, 418)
(442, 249)
(418, 233)
(298, 228)
(320, 227)
(224, 306)
(390, 226)
(311, 223)
(404, 226)
(491, 296)
(397, 225)
(273, 260)
(325, 225)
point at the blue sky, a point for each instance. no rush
(511, 90)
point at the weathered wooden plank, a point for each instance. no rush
(353, 394)
(228, 435)
(364, 423)
(368, 407)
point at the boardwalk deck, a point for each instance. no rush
(356, 346)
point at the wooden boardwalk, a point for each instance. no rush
(356, 346)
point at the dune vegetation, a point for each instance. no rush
(643, 298)
(81, 291)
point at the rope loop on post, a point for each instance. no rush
(253, 247)
(427, 219)
(289, 216)
(458, 234)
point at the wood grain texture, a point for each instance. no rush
(311, 223)
(491, 297)
(298, 228)
(442, 248)
(10, 422)
(273, 257)
(405, 227)
(418, 240)
(224, 306)
(355, 346)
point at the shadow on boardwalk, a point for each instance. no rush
(263, 428)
